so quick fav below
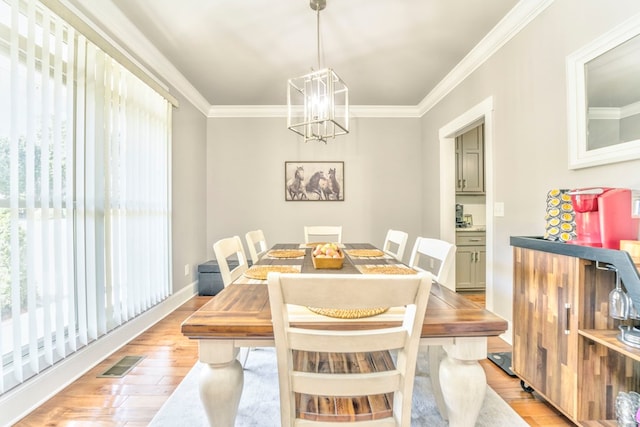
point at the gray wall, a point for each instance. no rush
(527, 80)
(188, 188)
(392, 166)
(245, 179)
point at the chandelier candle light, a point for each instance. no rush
(318, 102)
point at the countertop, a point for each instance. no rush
(472, 228)
(619, 259)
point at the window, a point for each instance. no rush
(84, 192)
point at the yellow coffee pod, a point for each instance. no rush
(565, 237)
(567, 216)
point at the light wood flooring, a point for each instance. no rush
(134, 399)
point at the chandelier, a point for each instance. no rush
(318, 102)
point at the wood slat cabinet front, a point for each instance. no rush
(565, 344)
(545, 334)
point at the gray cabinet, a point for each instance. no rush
(470, 162)
(471, 265)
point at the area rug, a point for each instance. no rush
(259, 404)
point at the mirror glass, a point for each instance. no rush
(612, 82)
(603, 85)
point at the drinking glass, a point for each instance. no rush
(618, 301)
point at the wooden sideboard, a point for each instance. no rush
(565, 345)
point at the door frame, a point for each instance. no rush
(482, 112)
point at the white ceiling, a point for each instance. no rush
(241, 52)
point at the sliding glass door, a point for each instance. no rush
(84, 192)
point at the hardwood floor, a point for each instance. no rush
(168, 356)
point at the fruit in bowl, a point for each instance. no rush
(327, 250)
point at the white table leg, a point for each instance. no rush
(221, 381)
(436, 355)
(463, 381)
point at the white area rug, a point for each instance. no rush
(259, 404)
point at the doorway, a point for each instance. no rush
(482, 112)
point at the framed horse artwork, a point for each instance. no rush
(314, 181)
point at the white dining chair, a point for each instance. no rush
(257, 245)
(225, 250)
(323, 233)
(438, 257)
(395, 243)
(434, 255)
(300, 351)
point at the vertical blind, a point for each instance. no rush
(84, 192)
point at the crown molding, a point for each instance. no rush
(356, 111)
(388, 111)
(517, 18)
(111, 17)
(230, 111)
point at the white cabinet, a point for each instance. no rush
(471, 265)
(470, 162)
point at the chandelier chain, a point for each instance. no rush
(318, 35)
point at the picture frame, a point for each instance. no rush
(314, 181)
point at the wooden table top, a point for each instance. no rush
(241, 310)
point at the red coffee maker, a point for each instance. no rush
(603, 217)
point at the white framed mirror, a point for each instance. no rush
(603, 84)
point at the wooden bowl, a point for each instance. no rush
(329, 263)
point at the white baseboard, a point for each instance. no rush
(19, 402)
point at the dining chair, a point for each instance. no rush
(352, 370)
(395, 243)
(257, 245)
(435, 256)
(224, 249)
(323, 233)
(438, 257)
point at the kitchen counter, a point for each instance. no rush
(619, 259)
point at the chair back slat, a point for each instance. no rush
(323, 233)
(349, 342)
(360, 384)
(329, 290)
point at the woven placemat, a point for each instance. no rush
(260, 272)
(356, 313)
(286, 253)
(365, 253)
(386, 269)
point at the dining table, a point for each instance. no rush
(454, 333)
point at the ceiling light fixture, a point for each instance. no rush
(318, 102)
